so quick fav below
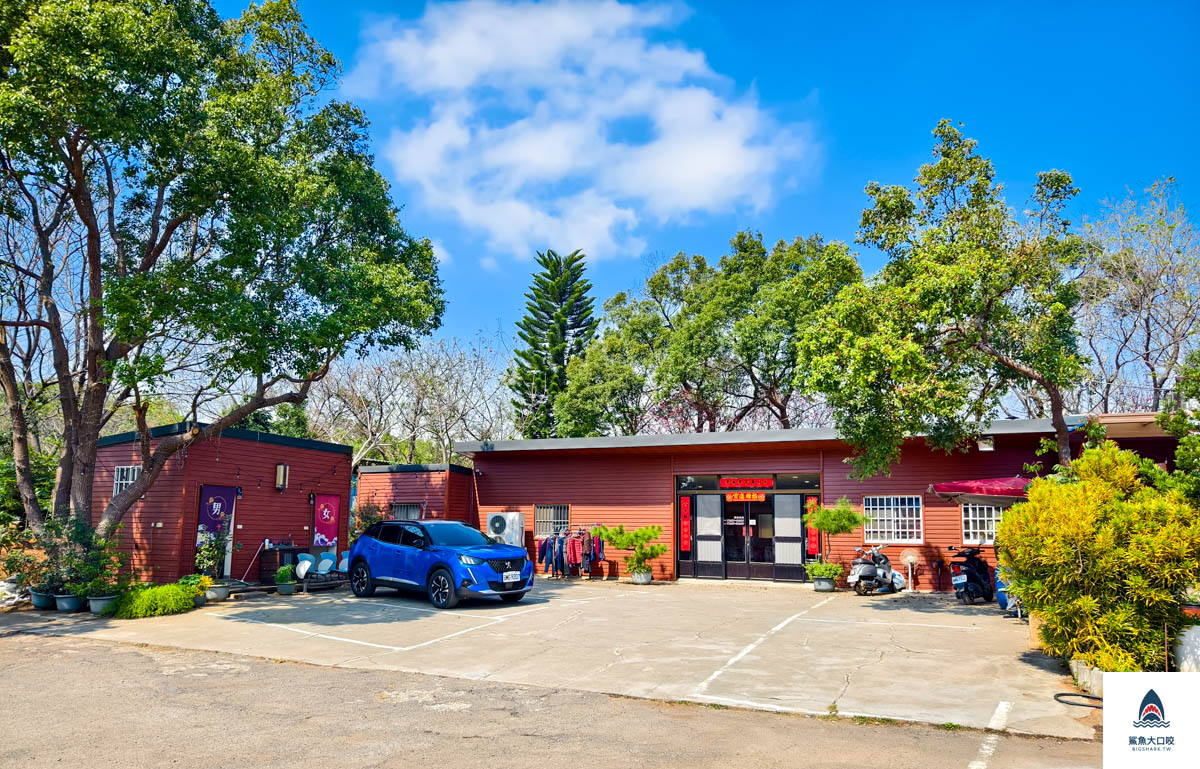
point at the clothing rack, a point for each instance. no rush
(558, 556)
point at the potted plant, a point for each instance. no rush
(637, 543)
(285, 580)
(197, 586)
(32, 574)
(101, 592)
(824, 575)
(210, 556)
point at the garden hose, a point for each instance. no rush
(1064, 698)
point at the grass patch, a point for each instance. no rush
(949, 726)
(874, 720)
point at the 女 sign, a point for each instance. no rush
(326, 515)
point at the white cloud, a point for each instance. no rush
(440, 253)
(562, 125)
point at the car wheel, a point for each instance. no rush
(441, 590)
(512, 597)
(361, 581)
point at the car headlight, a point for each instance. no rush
(470, 560)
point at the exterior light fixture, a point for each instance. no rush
(312, 498)
(281, 476)
(986, 443)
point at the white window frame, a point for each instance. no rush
(979, 523)
(889, 515)
(392, 510)
(549, 519)
(125, 476)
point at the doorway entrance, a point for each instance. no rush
(738, 527)
(215, 523)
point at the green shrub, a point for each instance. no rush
(285, 574)
(1104, 559)
(154, 601)
(824, 570)
(635, 541)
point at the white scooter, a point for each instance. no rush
(874, 572)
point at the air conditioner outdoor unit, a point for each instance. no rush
(509, 527)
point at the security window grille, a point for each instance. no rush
(124, 477)
(405, 511)
(547, 519)
(892, 520)
(979, 523)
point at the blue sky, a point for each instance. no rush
(636, 131)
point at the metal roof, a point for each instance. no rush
(734, 438)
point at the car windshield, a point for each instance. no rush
(456, 536)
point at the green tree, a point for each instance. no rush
(556, 328)
(1182, 420)
(830, 521)
(971, 303)
(187, 210)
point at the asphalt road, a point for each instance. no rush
(81, 702)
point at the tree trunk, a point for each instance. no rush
(1058, 418)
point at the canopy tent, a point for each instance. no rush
(986, 491)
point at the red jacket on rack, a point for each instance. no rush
(574, 551)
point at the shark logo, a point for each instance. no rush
(1151, 712)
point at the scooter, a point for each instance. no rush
(969, 575)
(874, 571)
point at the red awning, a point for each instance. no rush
(987, 491)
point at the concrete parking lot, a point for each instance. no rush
(913, 657)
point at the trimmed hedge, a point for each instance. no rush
(1104, 559)
(154, 602)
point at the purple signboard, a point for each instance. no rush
(216, 511)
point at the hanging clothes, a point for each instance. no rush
(560, 561)
(574, 551)
(545, 554)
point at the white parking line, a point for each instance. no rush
(891, 624)
(992, 741)
(735, 658)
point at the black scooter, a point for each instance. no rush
(969, 575)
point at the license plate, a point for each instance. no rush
(962, 580)
(852, 578)
(512, 576)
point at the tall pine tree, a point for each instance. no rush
(558, 325)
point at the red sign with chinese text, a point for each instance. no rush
(747, 483)
(813, 536)
(685, 524)
(746, 496)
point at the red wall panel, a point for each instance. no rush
(385, 489)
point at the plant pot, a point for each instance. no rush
(199, 599)
(217, 593)
(642, 577)
(824, 584)
(285, 588)
(41, 600)
(68, 602)
(98, 603)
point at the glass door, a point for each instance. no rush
(709, 562)
(733, 522)
(760, 540)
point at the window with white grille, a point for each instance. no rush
(124, 477)
(979, 524)
(892, 520)
(405, 511)
(547, 519)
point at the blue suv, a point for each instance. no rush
(446, 559)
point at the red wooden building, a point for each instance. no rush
(419, 491)
(261, 486)
(732, 505)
